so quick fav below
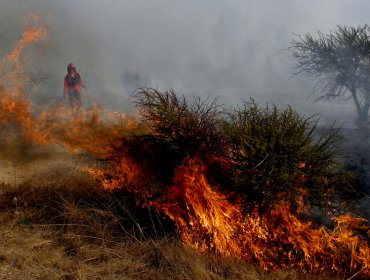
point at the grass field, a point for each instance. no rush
(61, 226)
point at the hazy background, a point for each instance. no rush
(228, 49)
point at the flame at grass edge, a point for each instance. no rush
(277, 239)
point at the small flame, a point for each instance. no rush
(33, 33)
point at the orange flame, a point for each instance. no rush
(34, 33)
(276, 239)
(129, 176)
(14, 102)
(85, 131)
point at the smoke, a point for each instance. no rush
(232, 50)
(229, 49)
(132, 81)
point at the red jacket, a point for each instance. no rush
(72, 84)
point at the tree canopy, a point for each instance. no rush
(339, 62)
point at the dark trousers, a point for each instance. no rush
(74, 99)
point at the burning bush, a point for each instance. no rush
(212, 172)
(275, 239)
(177, 130)
(262, 154)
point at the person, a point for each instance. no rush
(72, 87)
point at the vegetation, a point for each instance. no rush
(80, 230)
(65, 227)
(339, 61)
(65, 223)
(189, 129)
(277, 154)
(264, 154)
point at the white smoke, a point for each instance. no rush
(229, 49)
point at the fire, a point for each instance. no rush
(85, 131)
(15, 105)
(277, 239)
(206, 219)
(33, 33)
(129, 175)
(202, 214)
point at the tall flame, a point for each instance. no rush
(85, 131)
(276, 239)
(14, 102)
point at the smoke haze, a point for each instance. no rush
(228, 49)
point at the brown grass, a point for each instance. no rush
(64, 227)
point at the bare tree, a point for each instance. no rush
(340, 63)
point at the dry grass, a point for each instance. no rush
(63, 227)
(41, 253)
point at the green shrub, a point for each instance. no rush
(276, 154)
(262, 154)
(188, 129)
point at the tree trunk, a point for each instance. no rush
(362, 111)
(365, 113)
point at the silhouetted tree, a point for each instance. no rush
(340, 63)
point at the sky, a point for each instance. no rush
(230, 50)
